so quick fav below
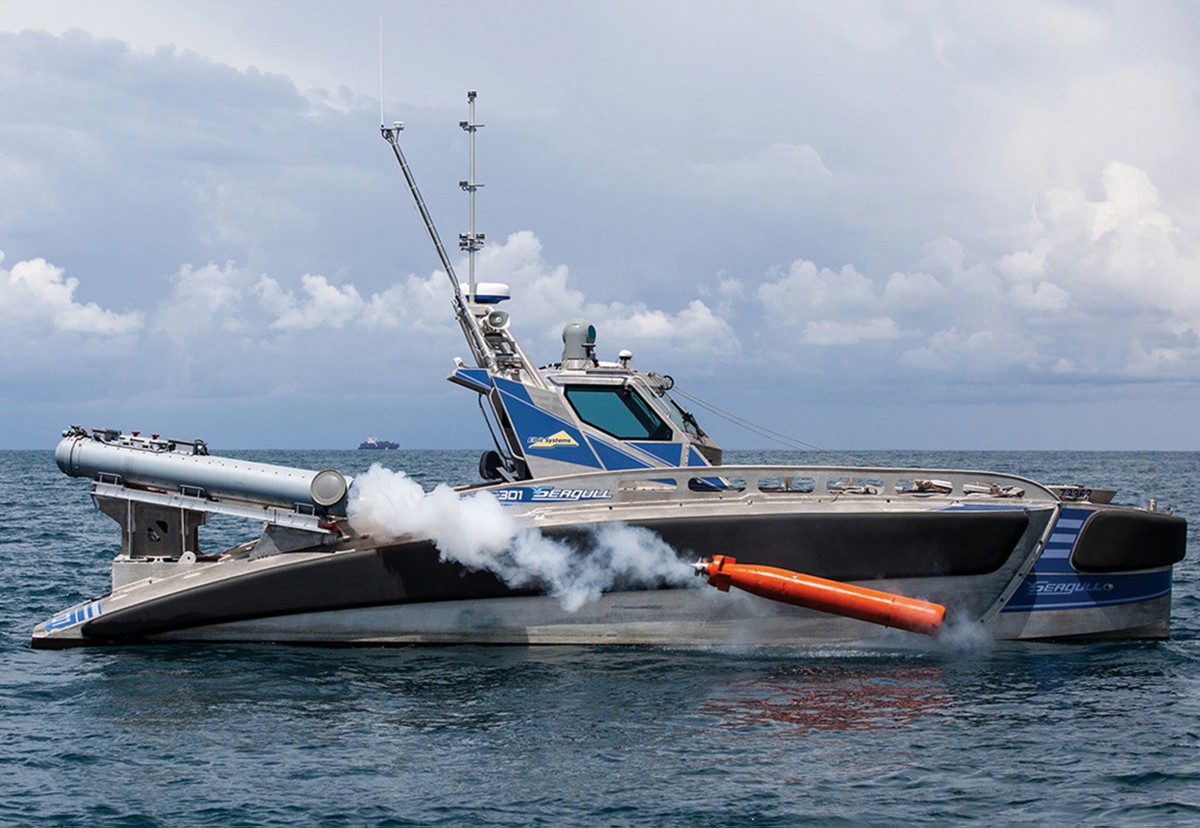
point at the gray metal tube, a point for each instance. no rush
(221, 478)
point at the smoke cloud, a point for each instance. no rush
(477, 532)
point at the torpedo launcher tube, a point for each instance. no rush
(820, 594)
(186, 467)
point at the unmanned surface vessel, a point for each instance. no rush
(583, 444)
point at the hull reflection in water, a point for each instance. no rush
(831, 696)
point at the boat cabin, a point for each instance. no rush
(578, 414)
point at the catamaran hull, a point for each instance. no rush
(405, 594)
(670, 617)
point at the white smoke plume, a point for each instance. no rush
(479, 533)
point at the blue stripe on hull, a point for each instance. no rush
(1053, 584)
(75, 616)
(1079, 591)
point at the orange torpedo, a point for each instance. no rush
(834, 597)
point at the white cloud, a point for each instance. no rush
(418, 304)
(917, 290)
(54, 343)
(1105, 288)
(1123, 254)
(221, 300)
(322, 306)
(203, 300)
(973, 354)
(225, 327)
(807, 290)
(1179, 362)
(1023, 265)
(36, 299)
(693, 331)
(1129, 199)
(1042, 310)
(542, 292)
(544, 300)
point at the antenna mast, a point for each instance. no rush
(479, 349)
(490, 343)
(471, 241)
(381, 73)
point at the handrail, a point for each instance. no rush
(683, 483)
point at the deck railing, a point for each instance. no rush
(811, 482)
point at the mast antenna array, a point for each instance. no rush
(381, 73)
(465, 308)
(479, 349)
(471, 241)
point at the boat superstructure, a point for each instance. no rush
(584, 446)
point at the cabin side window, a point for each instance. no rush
(618, 411)
(682, 418)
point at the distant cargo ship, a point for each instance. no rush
(372, 443)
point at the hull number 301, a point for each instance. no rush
(550, 494)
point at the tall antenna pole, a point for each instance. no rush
(381, 73)
(471, 241)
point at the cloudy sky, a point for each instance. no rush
(864, 224)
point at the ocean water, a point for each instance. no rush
(909, 731)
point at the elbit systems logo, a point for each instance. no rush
(553, 441)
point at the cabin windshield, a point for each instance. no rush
(619, 411)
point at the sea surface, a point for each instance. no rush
(909, 731)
